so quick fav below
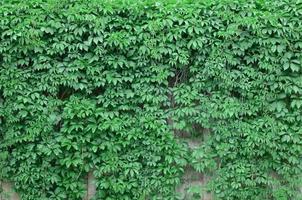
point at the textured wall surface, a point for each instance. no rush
(8, 192)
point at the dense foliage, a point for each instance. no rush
(112, 86)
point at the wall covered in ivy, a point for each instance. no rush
(138, 92)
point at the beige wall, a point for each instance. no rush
(8, 193)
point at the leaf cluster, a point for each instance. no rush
(110, 86)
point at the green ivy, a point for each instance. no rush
(110, 87)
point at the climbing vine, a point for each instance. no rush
(112, 87)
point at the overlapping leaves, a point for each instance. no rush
(108, 86)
